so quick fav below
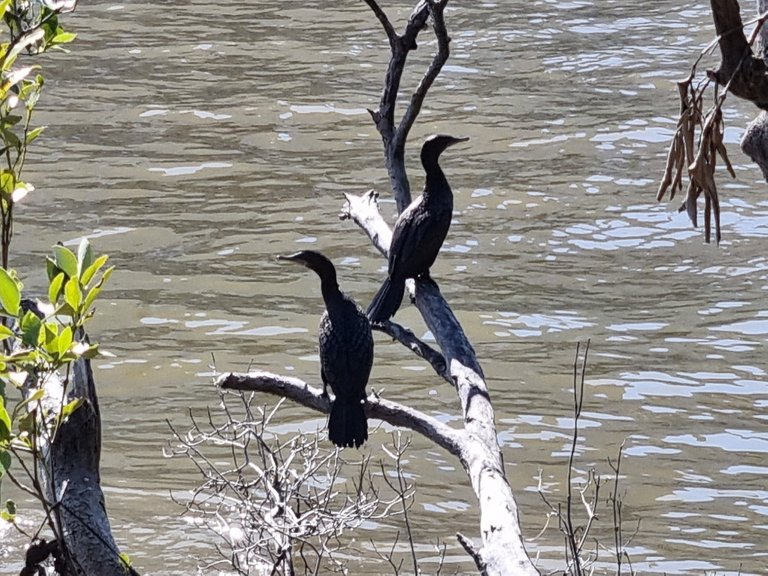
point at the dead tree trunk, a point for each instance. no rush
(502, 551)
(745, 72)
(72, 481)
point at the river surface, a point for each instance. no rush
(194, 141)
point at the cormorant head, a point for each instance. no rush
(434, 146)
(314, 261)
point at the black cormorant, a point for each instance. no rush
(346, 353)
(419, 231)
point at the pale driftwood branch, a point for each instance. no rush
(503, 550)
(72, 481)
(375, 407)
(363, 210)
(423, 350)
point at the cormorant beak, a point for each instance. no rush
(297, 257)
(455, 140)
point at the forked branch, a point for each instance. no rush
(393, 134)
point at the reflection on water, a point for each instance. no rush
(206, 141)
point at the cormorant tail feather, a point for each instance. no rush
(347, 425)
(387, 301)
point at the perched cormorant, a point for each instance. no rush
(419, 231)
(346, 353)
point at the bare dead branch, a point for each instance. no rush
(394, 135)
(385, 23)
(473, 553)
(739, 68)
(282, 498)
(309, 396)
(503, 549)
(423, 350)
(436, 8)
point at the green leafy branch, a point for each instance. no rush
(33, 28)
(41, 340)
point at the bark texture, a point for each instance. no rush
(744, 72)
(503, 550)
(72, 480)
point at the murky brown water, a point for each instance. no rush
(196, 141)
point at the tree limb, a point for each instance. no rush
(436, 8)
(423, 350)
(394, 138)
(470, 549)
(746, 74)
(375, 407)
(385, 23)
(503, 550)
(70, 473)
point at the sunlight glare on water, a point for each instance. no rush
(211, 138)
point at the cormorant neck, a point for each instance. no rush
(330, 290)
(436, 181)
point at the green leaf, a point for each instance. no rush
(65, 260)
(54, 289)
(9, 514)
(7, 182)
(67, 410)
(50, 333)
(34, 133)
(51, 268)
(5, 463)
(21, 190)
(84, 256)
(91, 352)
(27, 423)
(30, 328)
(33, 398)
(89, 273)
(5, 332)
(94, 292)
(10, 138)
(72, 294)
(64, 38)
(65, 340)
(10, 296)
(5, 422)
